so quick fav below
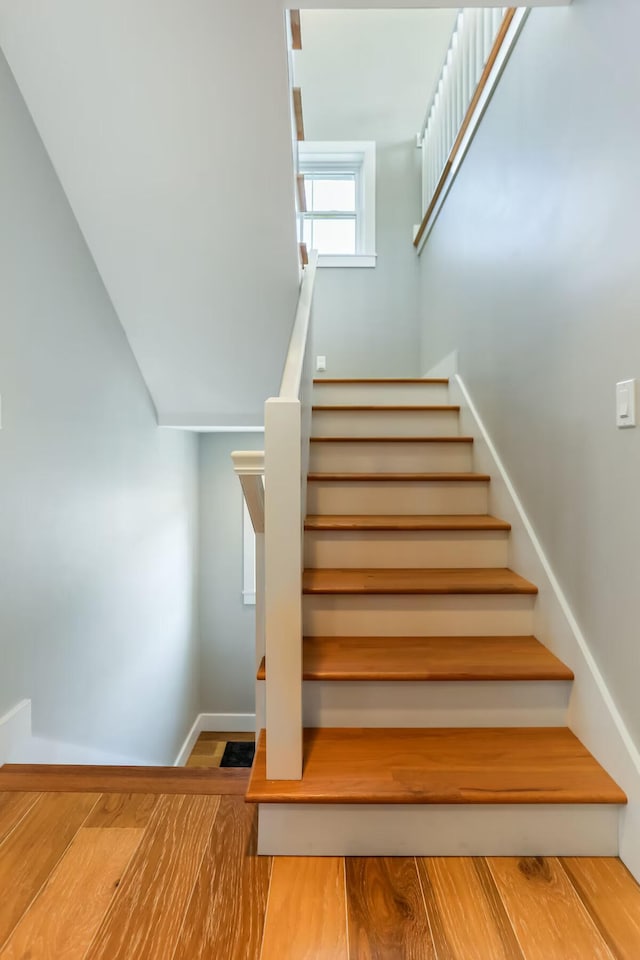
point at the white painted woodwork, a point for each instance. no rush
(261, 719)
(287, 422)
(380, 393)
(469, 60)
(448, 548)
(397, 497)
(408, 703)
(385, 423)
(399, 457)
(346, 615)
(249, 466)
(292, 376)
(283, 584)
(438, 830)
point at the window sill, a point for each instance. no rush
(351, 260)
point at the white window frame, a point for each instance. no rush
(357, 157)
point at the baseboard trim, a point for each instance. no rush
(593, 715)
(15, 729)
(214, 723)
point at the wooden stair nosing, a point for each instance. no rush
(348, 523)
(71, 778)
(318, 381)
(428, 659)
(416, 581)
(442, 477)
(478, 765)
(391, 439)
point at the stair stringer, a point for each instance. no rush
(592, 714)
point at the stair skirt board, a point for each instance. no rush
(380, 393)
(419, 548)
(408, 703)
(399, 457)
(399, 497)
(326, 615)
(385, 423)
(406, 830)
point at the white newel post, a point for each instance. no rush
(283, 588)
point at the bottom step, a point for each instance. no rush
(439, 792)
(449, 765)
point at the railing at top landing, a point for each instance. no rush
(277, 508)
(480, 44)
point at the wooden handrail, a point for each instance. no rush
(292, 375)
(468, 117)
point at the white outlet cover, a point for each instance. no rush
(321, 364)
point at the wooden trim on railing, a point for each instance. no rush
(296, 32)
(302, 195)
(304, 255)
(297, 110)
(484, 78)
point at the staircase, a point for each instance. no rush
(434, 720)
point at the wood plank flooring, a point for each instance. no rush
(171, 877)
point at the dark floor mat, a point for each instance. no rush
(238, 753)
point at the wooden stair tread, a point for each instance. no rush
(425, 380)
(71, 778)
(348, 522)
(391, 439)
(489, 580)
(446, 477)
(377, 407)
(428, 659)
(527, 765)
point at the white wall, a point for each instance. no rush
(98, 508)
(168, 125)
(227, 626)
(531, 273)
(367, 75)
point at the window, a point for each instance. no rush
(339, 221)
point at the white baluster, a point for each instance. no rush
(488, 35)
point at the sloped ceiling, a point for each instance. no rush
(167, 122)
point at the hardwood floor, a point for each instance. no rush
(87, 876)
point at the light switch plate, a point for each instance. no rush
(626, 403)
(321, 364)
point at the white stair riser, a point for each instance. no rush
(409, 549)
(438, 830)
(347, 615)
(395, 703)
(387, 393)
(385, 423)
(380, 497)
(400, 457)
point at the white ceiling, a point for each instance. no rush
(368, 74)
